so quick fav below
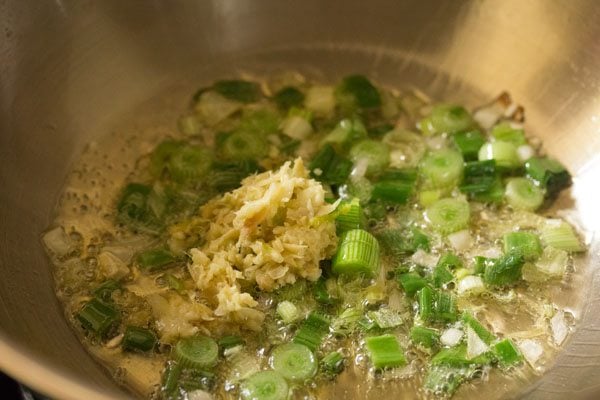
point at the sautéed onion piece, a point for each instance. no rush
(291, 238)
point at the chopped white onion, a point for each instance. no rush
(436, 142)
(360, 168)
(475, 346)
(532, 350)
(553, 262)
(559, 326)
(470, 284)
(214, 108)
(199, 395)
(525, 152)
(451, 337)
(320, 100)
(487, 117)
(111, 265)
(57, 241)
(492, 252)
(425, 259)
(461, 240)
(115, 342)
(296, 127)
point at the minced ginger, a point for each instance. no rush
(264, 232)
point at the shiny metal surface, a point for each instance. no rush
(69, 68)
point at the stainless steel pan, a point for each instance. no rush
(69, 68)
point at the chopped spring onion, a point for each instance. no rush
(349, 216)
(346, 131)
(244, 145)
(504, 153)
(356, 91)
(385, 318)
(398, 242)
(260, 122)
(446, 119)
(412, 282)
(197, 352)
(426, 337)
(264, 385)
(333, 363)
(506, 133)
(549, 173)
(450, 260)
(479, 177)
(97, 316)
(138, 339)
(322, 293)
(376, 154)
(347, 321)
(105, 290)
(327, 166)
(294, 361)
(156, 259)
(469, 143)
(441, 169)
(526, 243)
(288, 97)
(385, 351)
(457, 357)
(448, 215)
(228, 176)
(406, 147)
(312, 331)
(161, 155)
(175, 283)
(495, 193)
(436, 306)
(407, 175)
(561, 236)
(358, 253)
(197, 383)
(397, 192)
(523, 194)
(170, 382)
(189, 163)
(228, 342)
(443, 380)
(504, 271)
(287, 311)
(238, 90)
(133, 208)
(470, 321)
(441, 275)
(507, 353)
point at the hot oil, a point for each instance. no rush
(87, 211)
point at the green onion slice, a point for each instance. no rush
(264, 385)
(197, 352)
(294, 361)
(358, 253)
(448, 215)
